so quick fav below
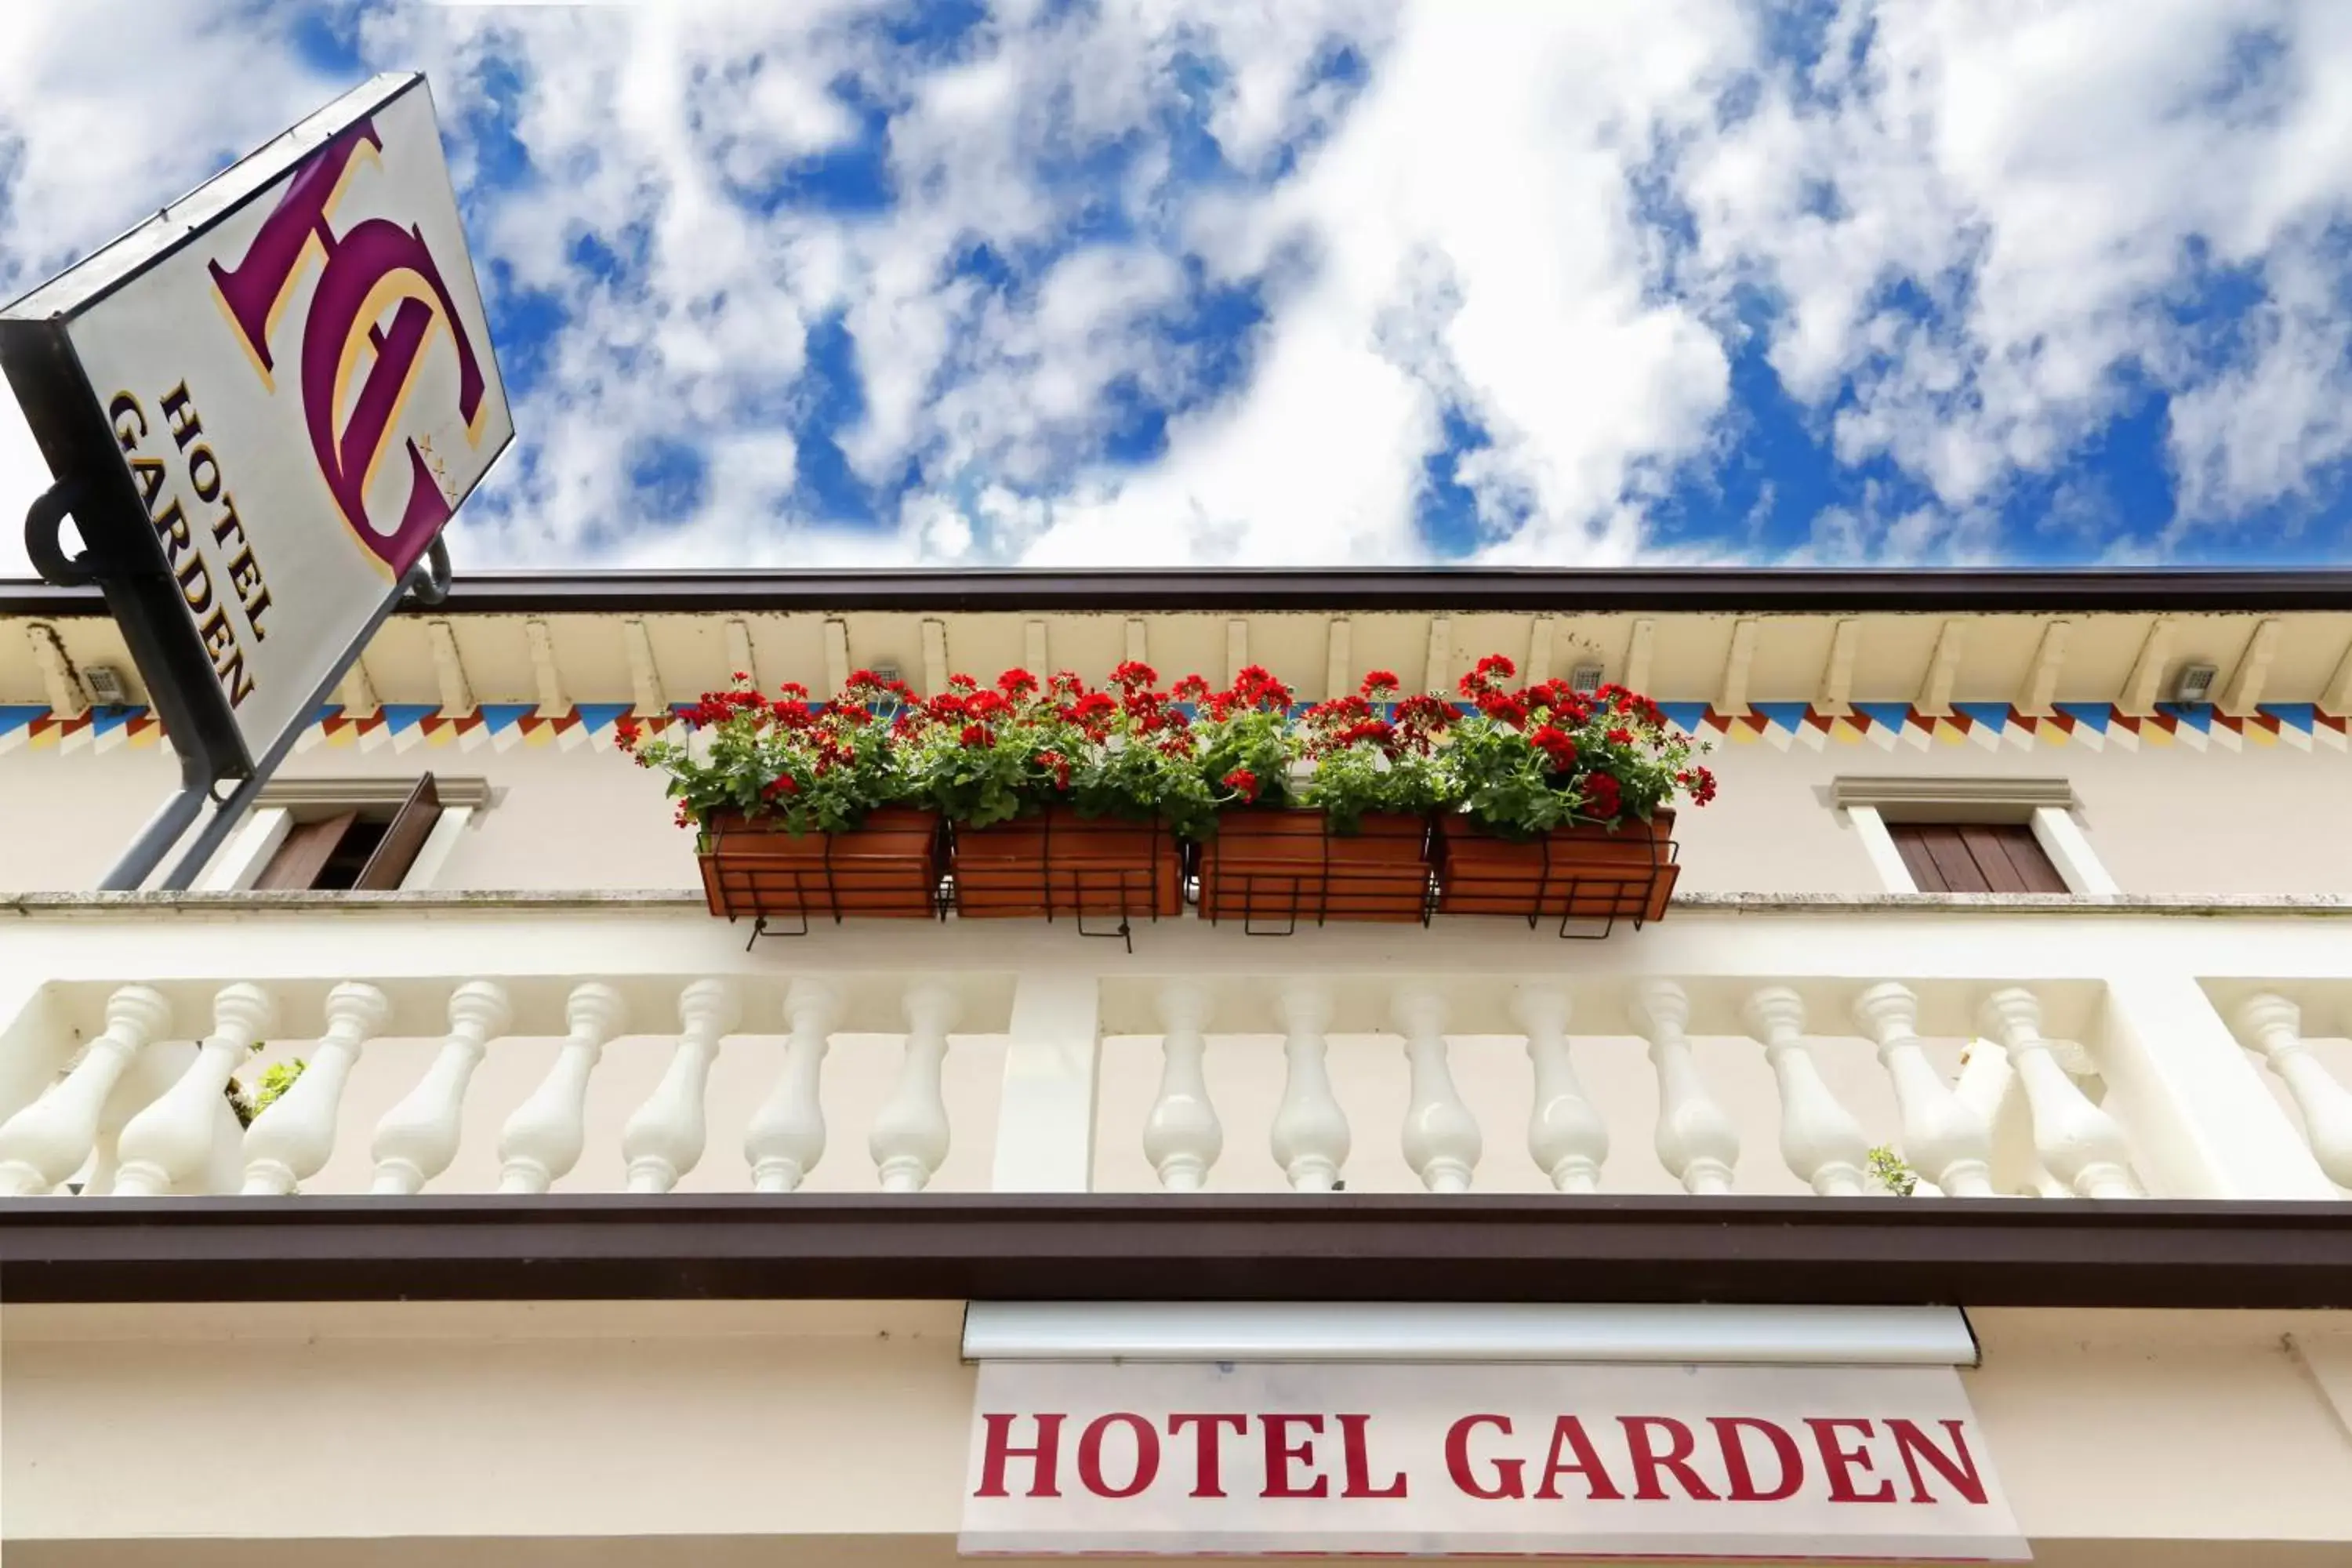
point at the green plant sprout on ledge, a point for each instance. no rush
(1889, 1171)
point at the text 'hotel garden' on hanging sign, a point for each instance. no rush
(294, 366)
(1199, 1459)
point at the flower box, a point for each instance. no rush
(1583, 872)
(886, 867)
(1272, 869)
(1058, 863)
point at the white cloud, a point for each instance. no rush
(2042, 171)
(89, 146)
(2253, 434)
(1480, 230)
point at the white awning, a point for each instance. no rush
(1403, 1332)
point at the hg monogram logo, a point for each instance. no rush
(370, 267)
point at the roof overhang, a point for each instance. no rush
(1716, 590)
(1729, 639)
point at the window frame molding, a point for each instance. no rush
(2044, 805)
(387, 789)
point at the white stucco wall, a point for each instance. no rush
(2163, 819)
(818, 1426)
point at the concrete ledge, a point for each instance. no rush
(70, 905)
(2002, 1252)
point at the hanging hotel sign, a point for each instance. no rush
(1572, 1461)
(267, 400)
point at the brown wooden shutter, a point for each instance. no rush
(2013, 859)
(397, 851)
(1975, 858)
(308, 848)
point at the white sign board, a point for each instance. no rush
(294, 371)
(1591, 1460)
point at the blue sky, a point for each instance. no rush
(1074, 281)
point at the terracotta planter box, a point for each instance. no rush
(1584, 872)
(1059, 864)
(1278, 868)
(887, 868)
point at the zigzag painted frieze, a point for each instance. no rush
(2298, 726)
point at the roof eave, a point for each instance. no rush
(1359, 589)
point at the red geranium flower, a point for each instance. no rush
(1601, 797)
(1244, 782)
(1558, 746)
(1489, 672)
(1503, 707)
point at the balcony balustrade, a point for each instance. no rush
(547, 1044)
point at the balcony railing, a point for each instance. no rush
(521, 1045)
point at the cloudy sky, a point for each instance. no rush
(1135, 281)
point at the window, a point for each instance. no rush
(1972, 835)
(362, 848)
(343, 834)
(1975, 858)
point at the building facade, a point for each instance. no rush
(596, 1227)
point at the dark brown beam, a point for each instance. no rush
(2009, 1252)
(1363, 589)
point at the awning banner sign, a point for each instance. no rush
(1205, 1459)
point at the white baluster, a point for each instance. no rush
(170, 1142)
(2272, 1026)
(786, 1138)
(291, 1140)
(2078, 1143)
(663, 1137)
(1696, 1141)
(1182, 1137)
(1440, 1138)
(1566, 1135)
(418, 1137)
(1943, 1139)
(1310, 1132)
(909, 1138)
(46, 1141)
(541, 1140)
(1822, 1143)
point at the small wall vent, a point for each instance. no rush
(106, 685)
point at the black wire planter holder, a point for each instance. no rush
(888, 869)
(1287, 868)
(1589, 880)
(1102, 874)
